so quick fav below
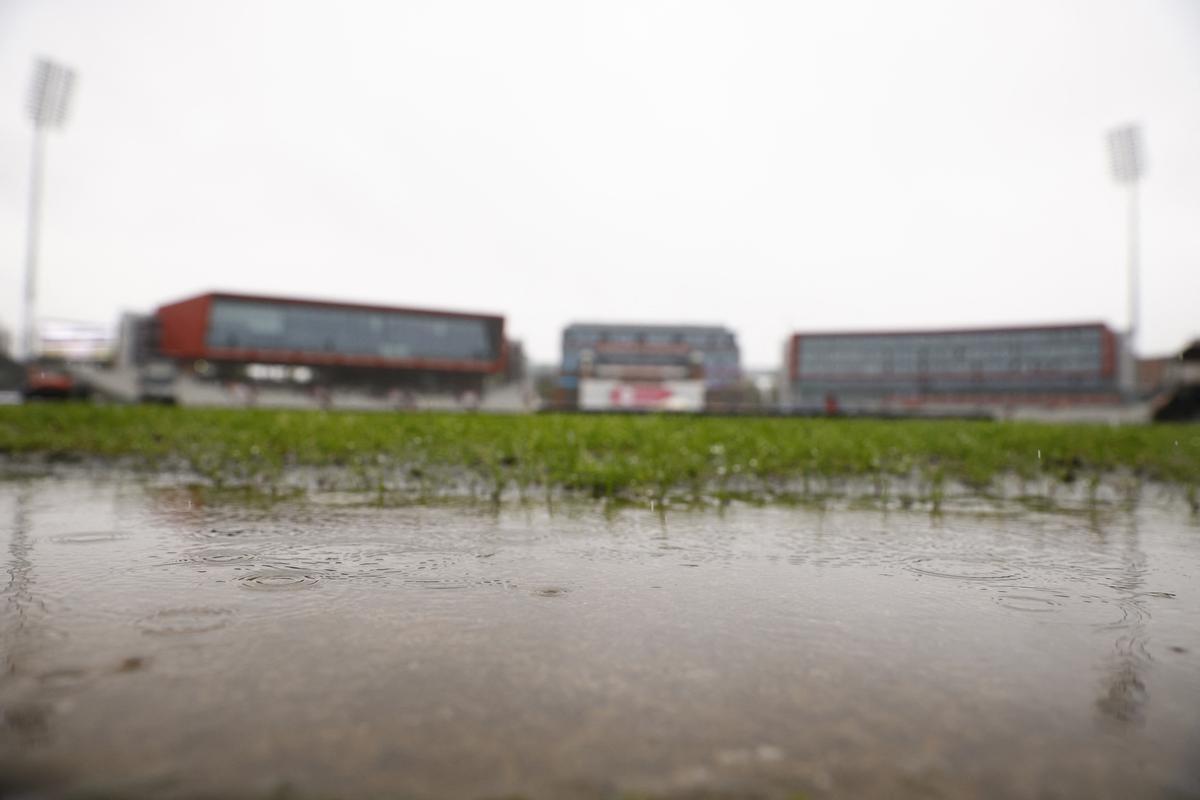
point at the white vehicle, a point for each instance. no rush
(156, 382)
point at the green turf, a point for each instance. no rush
(601, 456)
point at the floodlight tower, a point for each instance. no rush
(1128, 166)
(49, 96)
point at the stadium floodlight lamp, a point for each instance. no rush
(50, 94)
(1125, 153)
(1127, 157)
(47, 104)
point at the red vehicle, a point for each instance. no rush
(51, 380)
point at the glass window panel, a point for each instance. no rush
(245, 324)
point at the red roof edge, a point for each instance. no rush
(1057, 326)
(298, 301)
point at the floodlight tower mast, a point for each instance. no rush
(49, 96)
(1128, 166)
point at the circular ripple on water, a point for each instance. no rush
(431, 570)
(1032, 600)
(219, 533)
(175, 621)
(963, 570)
(439, 583)
(89, 537)
(219, 557)
(279, 580)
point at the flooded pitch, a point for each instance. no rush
(156, 647)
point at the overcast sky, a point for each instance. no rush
(772, 166)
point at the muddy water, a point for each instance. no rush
(156, 646)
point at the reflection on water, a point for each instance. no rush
(325, 650)
(17, 594)
(25, 720)
(1125, 694)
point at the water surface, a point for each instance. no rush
(157, 645)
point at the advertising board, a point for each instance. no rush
(600, 394)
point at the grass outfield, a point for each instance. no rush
(600, 456)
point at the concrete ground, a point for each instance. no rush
(120, 385)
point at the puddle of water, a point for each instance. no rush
(315, 649)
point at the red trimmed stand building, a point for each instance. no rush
(240, 337)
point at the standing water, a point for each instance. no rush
(155, 646)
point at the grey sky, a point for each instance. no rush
(767, 165)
